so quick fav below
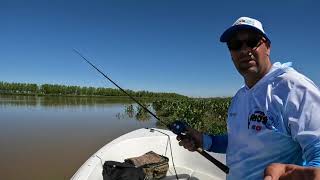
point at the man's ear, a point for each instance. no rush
(268, 45)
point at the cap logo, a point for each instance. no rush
(244, 21)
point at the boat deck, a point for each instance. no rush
(189, 165)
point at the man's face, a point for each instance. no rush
(249, 51)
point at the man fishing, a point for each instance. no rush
(273, 122)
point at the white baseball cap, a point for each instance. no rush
(243, 23)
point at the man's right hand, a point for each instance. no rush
(191, 140)
(277, 171)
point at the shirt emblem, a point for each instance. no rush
(258, 120)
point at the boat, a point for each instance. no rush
(188, 165)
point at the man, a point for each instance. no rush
(273, 122)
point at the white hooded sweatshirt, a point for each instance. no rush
(275, 121)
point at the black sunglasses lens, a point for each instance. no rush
(234, 45)
(237, 44)
(253, 42)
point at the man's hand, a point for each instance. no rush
(192, 140)
(277, 171)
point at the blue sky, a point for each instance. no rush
(154, 45)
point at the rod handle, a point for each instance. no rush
(219, 164)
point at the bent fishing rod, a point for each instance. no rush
(177, 127)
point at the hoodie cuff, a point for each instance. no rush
(206, 141)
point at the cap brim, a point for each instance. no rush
(227, 34)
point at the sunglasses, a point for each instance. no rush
(252, 42)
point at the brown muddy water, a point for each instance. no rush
(51, 137)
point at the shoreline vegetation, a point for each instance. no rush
(204, 114)
(76, 91)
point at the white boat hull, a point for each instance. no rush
(189, 165)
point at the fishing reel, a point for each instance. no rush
(178, 127)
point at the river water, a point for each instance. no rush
(51, 137)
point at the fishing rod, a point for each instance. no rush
(178, 127)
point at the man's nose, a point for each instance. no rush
(244, 50)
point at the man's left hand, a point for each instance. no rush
(277, 171)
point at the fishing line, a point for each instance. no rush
(174, 167)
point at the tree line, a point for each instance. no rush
(64, 90)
